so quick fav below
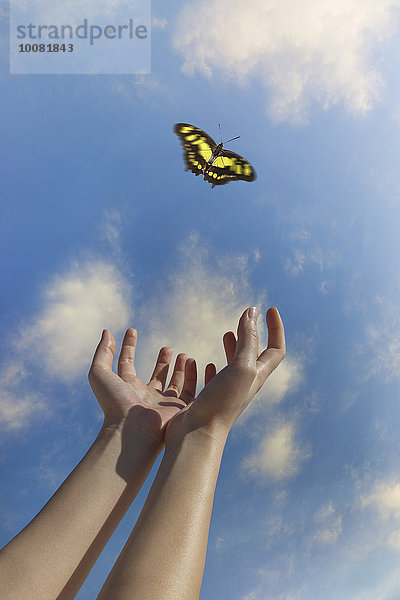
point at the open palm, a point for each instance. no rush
(227, 394)
(154, 403)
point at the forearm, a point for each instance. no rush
(53, 555)
(165, 555)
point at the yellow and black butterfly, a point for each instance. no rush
(204, 157)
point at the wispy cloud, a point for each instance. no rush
(61, 338)
(76, 307)
(278, 456)
(385, 498)
(379, 352)
(328, 524)
(305, 254)
(15, 411)
(278, 529)
(324, 288)
(394, 539)
(18, 403)
(256, 595)
(304, 52)
(286, 379)
(110, 230)
(295, 265)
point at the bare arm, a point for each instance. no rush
(51, 558)
(53, 555)
(165, 555)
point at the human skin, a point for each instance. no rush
(52, 556)
(164, 556)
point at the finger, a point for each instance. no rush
(247, 342)
(104, 354)
(178, 377)
(276, 331)
(126, 361)
(159, 376)
(210, 372)
(276, 350)
(190, 381)
(229, 341)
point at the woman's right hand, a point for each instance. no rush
(227, 394)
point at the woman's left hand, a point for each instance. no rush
(128, 401)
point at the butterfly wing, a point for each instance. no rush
(229, 166)
(197, 146)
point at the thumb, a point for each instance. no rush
(247, 343)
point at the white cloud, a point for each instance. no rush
(76, 307)
(328, 525)
(279, 530)
(286, 378)
(258, 595)
(278, 456)
(394, 539)
(251, 596)
(303, 255)
(300, 235)
(304, 52)
(18, 403)
(219, 543)
(324, 513)
(379, 353)
(324, 288)
(62, 337)
(295, 265)
(16, 411)
(110, 229)
(385, 498)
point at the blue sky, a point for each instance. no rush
(102, 227)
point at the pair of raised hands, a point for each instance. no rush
(164, 413)
(165, 553)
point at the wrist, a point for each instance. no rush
(212, 437)
(135, 452)
(133, 430)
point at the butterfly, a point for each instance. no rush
(204, 157)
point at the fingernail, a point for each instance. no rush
(253, 313)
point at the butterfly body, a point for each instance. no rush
(215, 153)
(204, 157)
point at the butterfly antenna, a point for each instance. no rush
(231, 140)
